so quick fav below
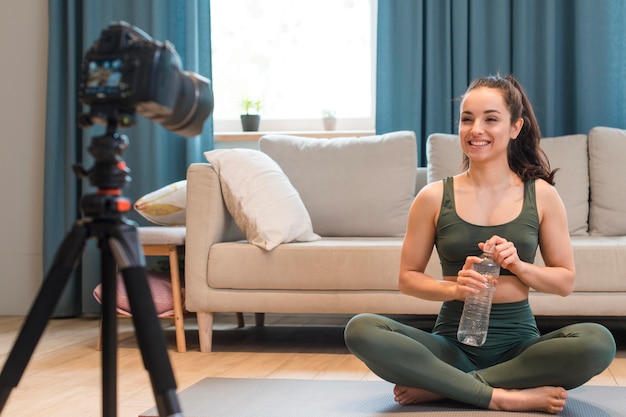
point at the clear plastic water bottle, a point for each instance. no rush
(475, 318)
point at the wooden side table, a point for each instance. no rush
(169, 241)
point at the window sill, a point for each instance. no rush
(254, 136)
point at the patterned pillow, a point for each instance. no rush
(166, 206)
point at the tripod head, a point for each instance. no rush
(109, 174)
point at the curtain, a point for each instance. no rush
(570, 56)
(155, 156)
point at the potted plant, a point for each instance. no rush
(251, 118)
(329, 119)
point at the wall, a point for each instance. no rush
(24, 49)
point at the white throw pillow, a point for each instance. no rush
(351, 186)
(166, 206)
(259, 196)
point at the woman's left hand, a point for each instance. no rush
(504, 252)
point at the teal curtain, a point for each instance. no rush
(155, 156)
(570, 55)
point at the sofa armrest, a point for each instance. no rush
(208, 221)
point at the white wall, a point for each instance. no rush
(24, 50)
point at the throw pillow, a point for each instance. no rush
(262, 201)
(607, 147)
(166, 206)
(160, 285)
(351, 186)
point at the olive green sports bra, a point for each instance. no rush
(456, 239)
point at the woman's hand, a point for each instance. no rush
(468, 281)
(504, 252)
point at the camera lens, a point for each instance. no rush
(126, 71)
(193, 106)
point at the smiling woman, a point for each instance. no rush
(298, 57)
(504, 201)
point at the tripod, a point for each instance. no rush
(119, 246)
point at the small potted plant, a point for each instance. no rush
(329, 119)
(251, 117)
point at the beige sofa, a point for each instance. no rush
(357, 193)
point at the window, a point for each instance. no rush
(298, 57)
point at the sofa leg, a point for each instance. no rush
(240, 320)
(205, 330)
(259, 319)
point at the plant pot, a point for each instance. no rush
(250, 122)
(329, 123)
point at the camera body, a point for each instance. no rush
(126, 71)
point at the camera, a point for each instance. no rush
(126, 71)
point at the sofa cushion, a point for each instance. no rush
(568, 153)
(260, 198)
(607, 147)
(329, 264)
(350, 186)
(599, 262)
(444, 156)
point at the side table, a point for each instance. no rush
(169, 241)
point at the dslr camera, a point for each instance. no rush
(126, 71)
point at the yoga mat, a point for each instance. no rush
(239, 397)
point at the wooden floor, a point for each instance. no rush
(63, 377)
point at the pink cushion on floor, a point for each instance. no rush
(160, 288)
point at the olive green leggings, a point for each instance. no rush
(515, 356)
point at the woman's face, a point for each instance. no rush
(485, 127)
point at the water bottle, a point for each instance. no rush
(475, 318)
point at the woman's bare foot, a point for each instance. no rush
(547, 399)
(407, 395)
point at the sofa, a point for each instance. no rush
(341, 253)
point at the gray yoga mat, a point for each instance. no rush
(239, 397)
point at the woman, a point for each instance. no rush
(505, 200)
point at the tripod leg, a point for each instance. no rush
(128, 253)
(65, 260)
(109, 332)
